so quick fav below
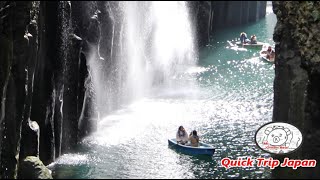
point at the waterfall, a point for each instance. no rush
(152, 46)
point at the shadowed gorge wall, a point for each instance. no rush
(297, 79)
(17, 64)
(44, 77)
(44, 68)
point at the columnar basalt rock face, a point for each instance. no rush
(297, 79)
(44, 77)
(17, 48)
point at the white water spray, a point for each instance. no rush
(153, 50)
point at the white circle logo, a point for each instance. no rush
(278, 138)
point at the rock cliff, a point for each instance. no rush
(297, 79)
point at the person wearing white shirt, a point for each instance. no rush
(182, 135)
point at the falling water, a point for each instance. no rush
(152, 47)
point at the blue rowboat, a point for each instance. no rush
(203, 149)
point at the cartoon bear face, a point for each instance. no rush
(277, 137)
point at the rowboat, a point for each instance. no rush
(264, 57)
(235, 47)
(259, 45)
(202, 149)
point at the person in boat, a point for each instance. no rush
(194, 139)
(243, 38)
(182, 136)
(253, 39)
(270, 53)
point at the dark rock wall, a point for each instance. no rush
(44, 77)
(211, 15)
(17, 50)
(53, 104)
(297, 79)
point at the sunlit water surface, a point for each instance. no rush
(233, 99)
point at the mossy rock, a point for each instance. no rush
(33, 168)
